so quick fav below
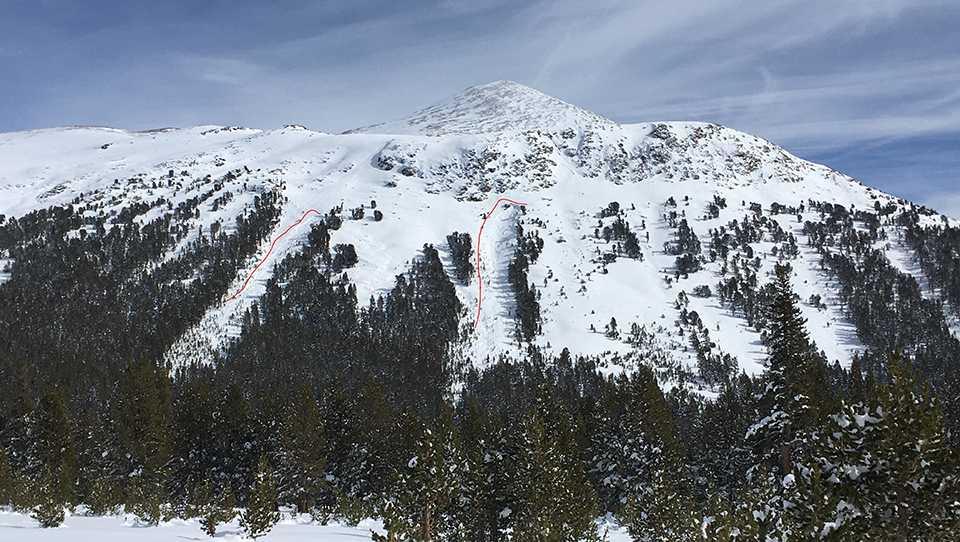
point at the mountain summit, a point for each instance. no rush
(500, 106)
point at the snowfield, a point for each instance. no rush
(79, 528)
(16, 527)
(439, 171)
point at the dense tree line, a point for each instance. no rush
(937, 250)
(527, 306)
(885, 304)
(67, 253)
(341, 409)
(461, 251)
(531, 449)
(312, 329)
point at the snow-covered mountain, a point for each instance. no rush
(496, 107)
(442, 170)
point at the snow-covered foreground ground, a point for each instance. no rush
(16, 527)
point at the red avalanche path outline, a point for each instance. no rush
(271, 250)
(479, 280)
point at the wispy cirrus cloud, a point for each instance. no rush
(829, 80)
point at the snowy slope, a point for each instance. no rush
(78, 528)
(441, 170)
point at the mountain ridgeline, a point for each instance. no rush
(684, 327)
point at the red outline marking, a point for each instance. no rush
(271, 250)
(479, 280)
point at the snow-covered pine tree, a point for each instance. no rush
(301, 451)
(483, 507)
(752, 513)
(378, 449)
(618, 458)
(630, 428)
(556, 500)
(662, 510)
(6, 480)
(721, 523)
(760, 512)
(949, 393)
(811, 499)
(429, 482)
(213, 505)
(896, 476)
(49, 511)
(788, 405)
(260, 514)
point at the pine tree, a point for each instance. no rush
(194, 440)
(730, 518)
(146, 498)
(261, 514)
(15, 431)
(6, 480)
(630, 427)
(379, 449)
(104, 497)
(141, 411)
(213, 505)
(430, 480)
(341, 450)
(811, 499)
(949, 394)
(686, 247)
(236, 439)
(556, 500)
(789, 407)
(460, 253)
(302, 451)
(53, 446)
(201, 497)
(485, 502)
(722, 453)
(662, 510)
(631, 246)
(890, 462)
(49, 511)
(760, 512)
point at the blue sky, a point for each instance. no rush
(869, 87)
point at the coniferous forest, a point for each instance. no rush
(348, 408)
